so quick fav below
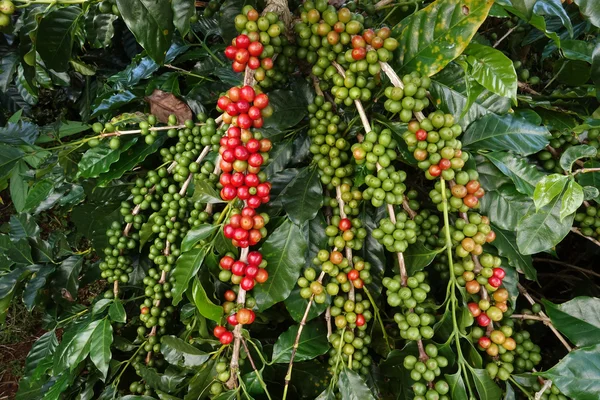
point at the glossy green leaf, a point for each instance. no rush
(20, 252)
(151, 22)
(193, 236)
(23, 226)
(35, 284)
(554, 8)
(590, 9)
(296, 306)
(313, 342)
(188, 265)
(494, 133)
(524, 174)
(485, 386)
(548, 188)
(506, 243)
(574, 153)
(288, 109)
(67, 276)
(493, 70)
(37, 194)
(182, 12)
(543, 230)
(19, 187)
(79, 348)
(577, 50)
(457, 386)
(303, 198)
(98, 160)
(591, 178)
(285, 253)
(100, 346)
(572, 199)
(21, 132)
(99, 28)
(40, 355)
(55, 36)
(9, 156)
(8, 67)
(178, 352)
(505, 206)
(205, 193)
(116, 312)
(577, 375)
(204, 305)
(198, 388)
(577, 319)
(353, 387)
(112, 101)
(417, 257)
(432, 37)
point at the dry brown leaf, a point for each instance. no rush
(163, 104)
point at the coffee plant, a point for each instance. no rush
(302, 200)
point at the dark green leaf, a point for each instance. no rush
(8, 66)
(417, 257)
(98, 160)
(279, 157)
(100, 306)
(572, 199)
(353, 387)
(576, 319)
(204, 305)
(577, 50)
(285, 252)
(457, 386)
(492, 132)
(486, 387)
(505, 206)
(432, 37)
(19, 187)
(590, 9)
(548, 188)
(554, 8)
(20, 252)
(38, 194)
(543, 230)
(21, 132)
(506, 243)
(99, 28)
(23, 226)
(313, 342)
(198, 388)
(574, 153)
(40, 355)
(288, 109)
(67, 274)
(303, 197)
(193, 236)
(79, 347)
(112, 101)
(205, 193)
(8, 159)
(116, 312)
(178, 352)
(182, 12)
(151, 22)
(188, 265)
(578, 374)
(100, 346)
(524, 174)
(37, 282)
(493, 70)
(296, 306)
(55, 36)
(590, 178)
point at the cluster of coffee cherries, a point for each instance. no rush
(409, 99)
(245, 52)
(429, 227)
(561, 141)
(525, 74)
(151, 314)
(553, 394)
(425, 371)
(487, 311)
(309, 286)
(396, 237)
(415, 323)
(244, 107)
(371, 46)
(588, 219)
(212, 7)
(466, 195)
(114, 143)
(378, 147)
(385, 187)
(191, 138)
(328, 146)
(246, 228)
(246, 274)
(345, 232)
(109, 7)
(472, 233)
(116, 264)
(435, 146)
(347, 343)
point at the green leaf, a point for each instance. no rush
(554, 8)
(576, 319)
(130, 158)
(200, 383)
(457, 386)
(151, 22)
(98, 160)
(188, 265)
(112, 101)
(19, 187)
(485, 386)
(590, 178)
(205, 193)
(288, 109)
(590, 9)
(571, 200)
(432, 37)
(8, 66)
(99, 28)
(505, 206)
(578, 374)
(303, 197)
(492, 132)
(9, 156)
(40, 356)
(493, 70)
(313, 342)
(55, 36)
(77, 348)
(204, 305)
(67, 274)
(37, 194)
(116, 312)
(548, 188)
(23, 226)
(21, 132)
(574, 153)
(418, 256)
(543, 230)
(178, 352)
(20, 252)
(195, 235)
(296, 306)
(37, 282)
(100, 347)
(182, 12)
(285, 253)
(524, 174)
(506, 243)
(577, 50)
(353, 387)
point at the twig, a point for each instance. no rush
(575, 267)
(328, 321)
(258, 374)
(591, 239)
(547, 385)
(531, 301)
(585, 171)
(397, 82)
(545, 320)
(411, 213)
(526, 88)
(511, 30)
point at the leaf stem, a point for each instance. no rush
(258, 375)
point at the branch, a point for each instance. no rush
(258, 375)
(237, 332)
(526, 88)
(531, 301)
(511, 30)
(591, 239)
(545, 320)
(575, 267)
